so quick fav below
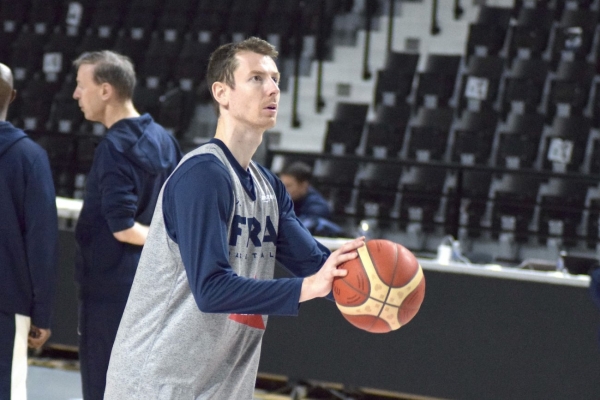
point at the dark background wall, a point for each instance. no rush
(474, 338)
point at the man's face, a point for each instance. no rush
(89, 94)
(255, 99)
(294, 187)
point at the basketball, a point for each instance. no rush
(384, 287)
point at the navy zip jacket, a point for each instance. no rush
(312, 205)
(130, 166)
(29, 228)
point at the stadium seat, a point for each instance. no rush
(98, 39)
(12, 17)
(378, 190)
(59, 52)
(524, 86)
(435, 84)
(344, 131)
(36, 99)
(473, 136)
(472, 189)
(480, 83)
(573, 36)
(335, 179)
(569, 89)
(422, 189)
(192, 62)
(174, 110)
(513, 198)
(385, 134)
(65, 114)
(61, 153)
(27, 55)
(518, 141)
(210, 21)
(280, 25)
(529, 36)
(160, 58)
(244, 18)
(565, 144)
(394, 82)
(146, 96)
(43, 15)
(486, 36)
(428, 134)
(561, 201)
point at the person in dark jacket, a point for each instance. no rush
(130, 165)
(28, 247)
(310, 206)
(308, 202)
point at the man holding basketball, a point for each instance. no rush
(198, 307)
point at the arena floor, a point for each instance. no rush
(59, 379)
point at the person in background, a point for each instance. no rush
(198, 308)
(130, 165)
(28, 247)
(309, 205)
(308, 202)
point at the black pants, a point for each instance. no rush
(98, 325)
(13, 355)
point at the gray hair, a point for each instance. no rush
(112, 68)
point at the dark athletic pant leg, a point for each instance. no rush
(98, 325)
(7, 343)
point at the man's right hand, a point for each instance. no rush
(37, 337)
(319, 284)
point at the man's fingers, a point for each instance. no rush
(353, 244)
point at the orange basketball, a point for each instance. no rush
(384, 288)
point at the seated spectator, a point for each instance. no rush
(309, 205)
(308, 202)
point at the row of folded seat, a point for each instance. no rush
(438, 199)
(168, 41)
(503, 139)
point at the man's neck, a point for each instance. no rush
(117, 112)
(241, 142)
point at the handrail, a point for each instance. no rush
(458, 10)
(369, 5)
(442, 165)
(435, 27)
(295, 123)
(453, 226)
(390, 30)
(319, 101)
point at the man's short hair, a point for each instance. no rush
(223, 62)
(112, 68)
(299, 170)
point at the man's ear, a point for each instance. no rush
(13, 96)
(106, 91)
(221, 93)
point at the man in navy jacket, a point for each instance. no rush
(309, 205)
(28, 247)
(130, 165)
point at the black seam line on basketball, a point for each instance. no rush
(358, 291)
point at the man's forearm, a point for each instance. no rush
(136, 235)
